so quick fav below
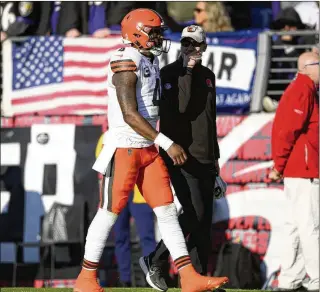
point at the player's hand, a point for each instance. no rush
(177, 154)
(274, 175)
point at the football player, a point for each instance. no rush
(129, 155)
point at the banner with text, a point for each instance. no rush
(50, 75)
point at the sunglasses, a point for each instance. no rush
(198, 10)
(311, 64)
(188, 42)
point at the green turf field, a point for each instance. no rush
(107, 290)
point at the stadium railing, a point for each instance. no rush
(267, 64)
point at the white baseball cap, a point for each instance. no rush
(195, 32)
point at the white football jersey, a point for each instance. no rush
(148, 92)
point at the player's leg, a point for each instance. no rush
(154, 183)
(188, 219)
(122, 245)
(195, 196)
(115, 189)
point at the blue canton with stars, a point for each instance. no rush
(37, 61)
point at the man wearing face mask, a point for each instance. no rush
(188, 115)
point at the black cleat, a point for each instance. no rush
(153, 274)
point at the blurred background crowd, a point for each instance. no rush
(100, 19)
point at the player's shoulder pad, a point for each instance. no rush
(125, 59)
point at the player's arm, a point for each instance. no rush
(125, 84)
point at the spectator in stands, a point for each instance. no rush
(181, 11)
(295, 152)
(22, 18)
(162, 9)
(287, 20)
(240, 13)
(309, 13)
(212, 16)
(33, 18)
(144, 219)
(55, 17)
(95, 18)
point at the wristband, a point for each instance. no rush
(163, 141)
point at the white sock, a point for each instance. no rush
(170, 231)
(98, 233)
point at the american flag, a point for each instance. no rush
(56, 76)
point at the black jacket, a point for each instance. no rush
(188, 110)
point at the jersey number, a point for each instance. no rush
(156, 93)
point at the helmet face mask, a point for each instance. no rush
(157, 43)
(143, 28)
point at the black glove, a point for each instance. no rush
(220, 188)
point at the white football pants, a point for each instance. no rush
(300, 235)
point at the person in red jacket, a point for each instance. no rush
(295, 152)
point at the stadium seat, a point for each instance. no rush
(6, 122)
(30, 120)
(235, 155)
(252, 186)
(226, 123)
(265, 132)
(234, 189)
(255, 149)
(230, 170)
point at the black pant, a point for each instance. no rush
(193, 186)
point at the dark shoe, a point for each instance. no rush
(153, 274)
